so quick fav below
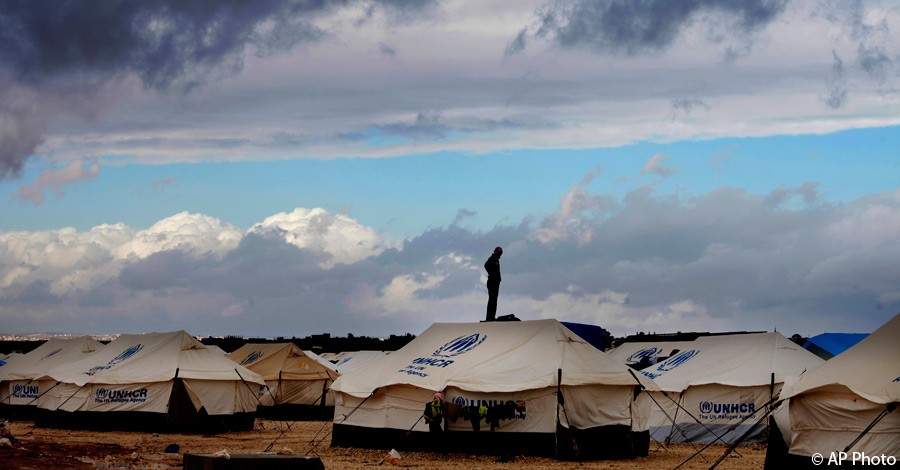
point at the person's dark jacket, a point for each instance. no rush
(492, 266)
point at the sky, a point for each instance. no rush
(287, 168)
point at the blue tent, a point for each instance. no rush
(593, 334)
(828, 345)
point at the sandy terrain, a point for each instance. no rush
(40, 448)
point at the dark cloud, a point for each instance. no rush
(518, 44)
(22, 127)
(688, 105)
(462, 215)
(808, 192)
(427, 126)
(69, 48)
(387, 50)
(874, 61)
(628, 27)
(837, 84)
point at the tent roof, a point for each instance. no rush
(630, 353)
(491, 357)
(870, 368)
(53, 353)
(347, 362)
(828, 345)
(284, 360)
(736, 360)
(151, 357)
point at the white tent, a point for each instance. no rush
(169, 375)
(293, 376)
(18, 386)
(722, 381)
(632, 353)
(349, 361)
(10, 358)
(831, 405)
(512, 365)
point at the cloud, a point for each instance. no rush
(720, 157)
(656, 166)
(61, 59)
(837, 84)
(425, 127)
(56, 179)
(688, 105)
(193, 234)
(808, 192)
(517, 45)
(726, 260)
(631, 28)
(874, 61)
(341, 238)
(387, 50)
(572, 220)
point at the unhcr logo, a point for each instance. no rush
(344, 360)
(649, 353)
(121, 357)
(24, 391)
(252, 357)
(724, 409)
(677, 360)
(460, 345)
(51, 354)
(121, 396)
(455, 347)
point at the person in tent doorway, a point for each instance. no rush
(434, 413)
(492, 266)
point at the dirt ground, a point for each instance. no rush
(39, 448)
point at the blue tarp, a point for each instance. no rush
(593, 334)
(828, 345)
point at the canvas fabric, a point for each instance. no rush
(293, 376)
(509, 361)
(826, 422)
(140, 396)
(832, 404)
(348, 362)
(721, 381)
(630, 353)
(17, 384)
(139, 371)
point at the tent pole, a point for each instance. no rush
(744, 436)
(345, 419)
(771, 395)
(666, 414)
(70, 397)
(558, 394)
(561, 402)
(889, 408)
(718, 437)
(37, 397)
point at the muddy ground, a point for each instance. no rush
(40, 448)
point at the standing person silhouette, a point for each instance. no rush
(492, 266)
